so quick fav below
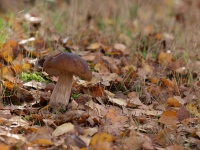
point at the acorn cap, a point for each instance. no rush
(67, 63)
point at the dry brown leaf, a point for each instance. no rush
(172, 102)
(174, 147)
(182, 114)
(163, 136)
(168, 83)
(96, 91)
(168, 118)
(134, 102)
(101, 68)
(118, 101)
(121, 47)
(101, 110)
(115, 117)
(138, 140)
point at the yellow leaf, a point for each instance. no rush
(172, 102)
(101, 137)
(154, 80)
(94, 46)
(26, 66)
(191, 107)
(101, 68)
(42, 142)
(8, 85)
(4, 147)
(164, 58)
(5, 70)
(168, 83)
(20, 67)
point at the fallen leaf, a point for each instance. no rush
(114, 116)
(164, 58)
(64, 128)
(168, 118)
(101, 111)
(42, 142)
(101, 137)
(118, 101)
(4, 147)
(191, 107)
(90, 131)
(35, 84)
(101, 68)
(172, 102)
(9, 85)
(94, 46)
(182, 114)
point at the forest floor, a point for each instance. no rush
(145, 63)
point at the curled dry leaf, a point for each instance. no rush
(172, 102)
(64, 128)
(90, 131)
(134, 102)
(168, 83)
(101, 110)
(122, 48)
(118, 101)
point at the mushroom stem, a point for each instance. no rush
(61, 93)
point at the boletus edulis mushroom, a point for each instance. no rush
(65, 65)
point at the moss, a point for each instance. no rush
(32, 76)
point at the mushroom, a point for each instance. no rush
(49, 87)
(65, 65)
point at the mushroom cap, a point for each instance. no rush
(49, 87)
(67, 63)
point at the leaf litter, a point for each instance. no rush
(144, 93)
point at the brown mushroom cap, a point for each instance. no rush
(49, 87)
(67, 63)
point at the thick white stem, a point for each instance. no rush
(61, 93)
